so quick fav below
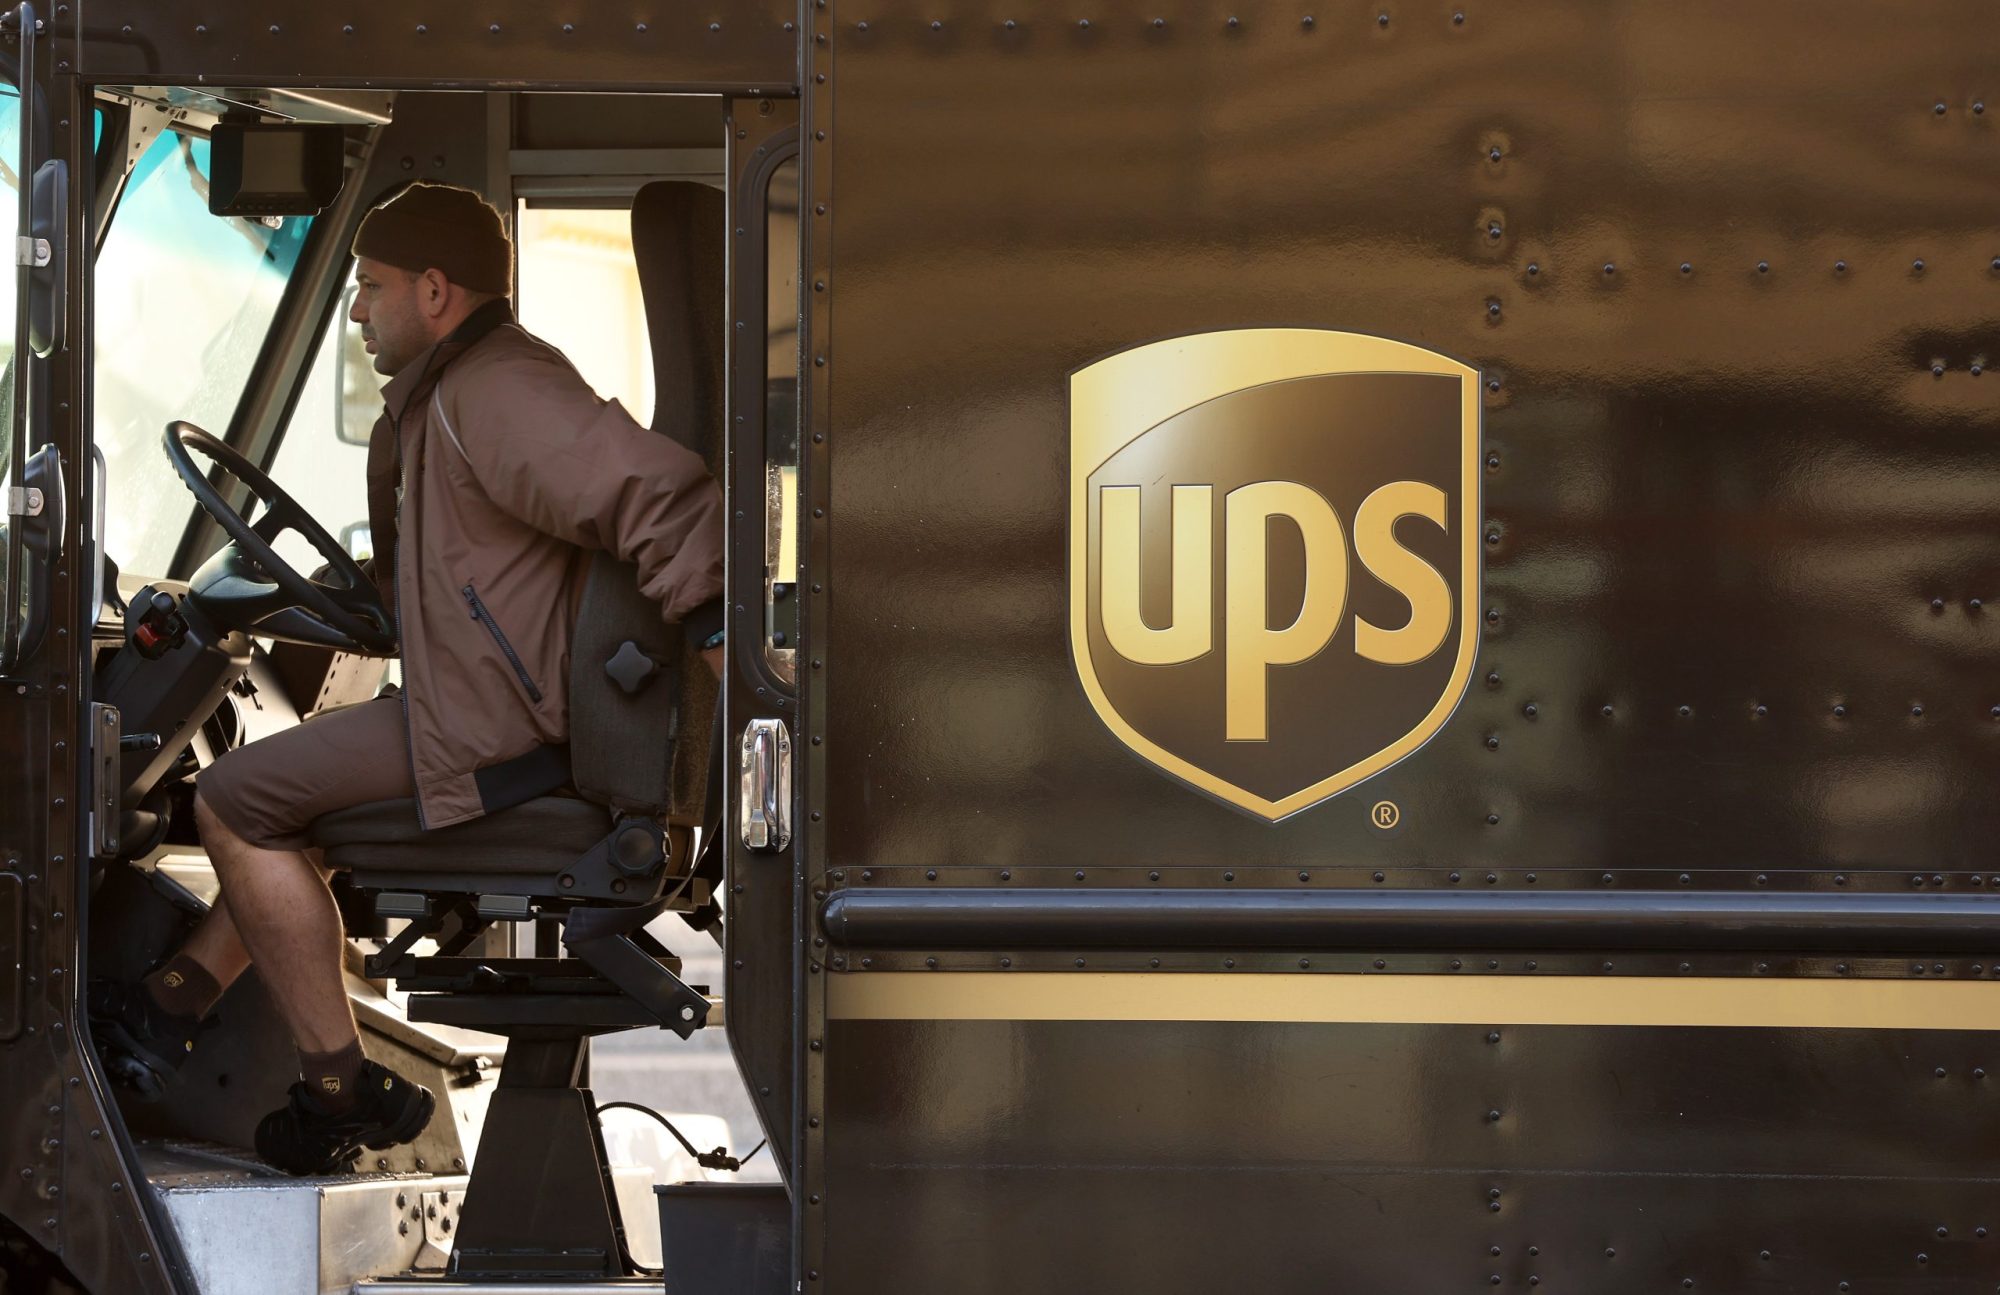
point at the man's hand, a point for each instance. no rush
(714, 658)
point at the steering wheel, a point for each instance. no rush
(248, 587)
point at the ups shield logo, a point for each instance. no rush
(1273, 556)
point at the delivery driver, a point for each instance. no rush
(492, 472)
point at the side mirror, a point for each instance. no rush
(358, 538)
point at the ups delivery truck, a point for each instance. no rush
(1363, 643)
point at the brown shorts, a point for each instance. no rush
(268, 791)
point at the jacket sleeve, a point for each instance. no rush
(548, 451)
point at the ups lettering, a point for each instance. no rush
(1252, 647)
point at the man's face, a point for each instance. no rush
(385, 306)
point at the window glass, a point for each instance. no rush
(10, 191)
(579, 292)
(10, 198)
(781, 419)
(184, 300)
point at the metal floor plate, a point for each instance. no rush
(249, 1230)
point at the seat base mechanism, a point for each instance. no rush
(540, 1203)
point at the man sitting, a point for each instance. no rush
(492, 473)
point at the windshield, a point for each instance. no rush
(184, 300)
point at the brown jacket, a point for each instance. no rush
(511, 470)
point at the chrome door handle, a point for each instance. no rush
(764, 785)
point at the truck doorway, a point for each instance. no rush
(264, 357)
(579, 288)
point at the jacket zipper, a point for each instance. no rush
(484, 617)
(396, 583)
(403, 695)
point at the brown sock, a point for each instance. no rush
(183, 988)
(333, 1078)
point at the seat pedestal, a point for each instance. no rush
(540, 1202)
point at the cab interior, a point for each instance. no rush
(235, 324)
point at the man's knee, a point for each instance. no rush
(243, 798)
(219, 840)
(206, 820)
(219, 796)
(220, 812)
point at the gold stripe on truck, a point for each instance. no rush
(1423, 1000)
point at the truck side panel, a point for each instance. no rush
(1729, 282)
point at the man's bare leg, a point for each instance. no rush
(281, 909)
(216, 945)
(280, 912)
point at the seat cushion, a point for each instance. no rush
(541, 836)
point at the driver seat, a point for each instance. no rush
(604, 862)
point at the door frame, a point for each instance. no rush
(62, 1132)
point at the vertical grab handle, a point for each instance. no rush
(764, 785)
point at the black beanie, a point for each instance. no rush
(440, 227)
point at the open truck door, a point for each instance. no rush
(72, 1209)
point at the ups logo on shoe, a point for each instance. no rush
(1273, 557)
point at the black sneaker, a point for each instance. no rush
(141, 1046)
(304, 1138)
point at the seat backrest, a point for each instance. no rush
(679, 237)
(623, 735)
(618, 755)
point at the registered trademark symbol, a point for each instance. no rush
(1385, 815)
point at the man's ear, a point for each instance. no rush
(433, 293)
